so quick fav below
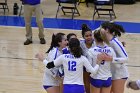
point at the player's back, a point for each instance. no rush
(104, 70)
(73, 69)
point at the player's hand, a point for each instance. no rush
(105, 57)
(40, 56)
(100, 57)
(108, 58)
(132, 85)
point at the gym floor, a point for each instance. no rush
(21, 72)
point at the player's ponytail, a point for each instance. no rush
(85, 28)
(97, 36)
(113, 28)
(118, 29)
(75, 48)
(56, 38)
(52, 43)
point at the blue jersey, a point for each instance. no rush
(65, 50)
(31, 2)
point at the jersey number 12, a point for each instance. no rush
(72, 66)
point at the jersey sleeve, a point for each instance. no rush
(117, 60)
(88, 66)
(59, 60)
(120, 60)
(50, 57)
(93, 55)
(121, 55)
(52, 54)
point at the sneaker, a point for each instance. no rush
(27, 42)
(42, 41)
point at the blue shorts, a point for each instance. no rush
(46, 87)
(101, 83)
(73, 88)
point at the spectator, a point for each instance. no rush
(31, 6)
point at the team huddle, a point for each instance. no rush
(96, 64)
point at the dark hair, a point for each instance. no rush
(74, 45)
(113, 28)
(85, 28)
(69, 36)
(98, 36)
(55, 40)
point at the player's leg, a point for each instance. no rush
(87, 81)
(95, 85)
(94, 89)
(50, 84)
(61, 86)
(118, 86)
(106, 90)
(54, 89)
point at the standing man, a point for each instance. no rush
(31, 6)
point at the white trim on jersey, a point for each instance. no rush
(121, 55)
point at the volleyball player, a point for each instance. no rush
(110, 32)
(50, 83)
(69, 36)
(102, 81)
(86, 44)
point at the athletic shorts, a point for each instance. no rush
(125, 78)
(49, 80)
(46, 87)
(73, 88)
(101, 83)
